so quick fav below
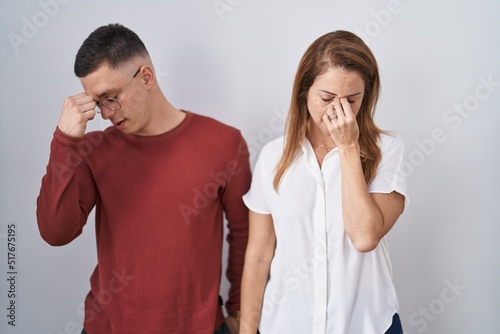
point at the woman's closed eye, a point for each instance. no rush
(331, 99)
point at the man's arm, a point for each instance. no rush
(237, 217)
(67, 194)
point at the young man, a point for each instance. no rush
(161, 180)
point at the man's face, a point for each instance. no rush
(120, 95)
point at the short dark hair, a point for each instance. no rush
(113, 44)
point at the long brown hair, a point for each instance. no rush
(345, 50)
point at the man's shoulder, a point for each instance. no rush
(211, 121)
(99, 135)
(215, 127)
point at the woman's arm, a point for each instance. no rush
(258, 257)
(367, 217)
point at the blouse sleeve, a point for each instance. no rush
(389, 175)
(256, 199)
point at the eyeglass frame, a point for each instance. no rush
(102, 101)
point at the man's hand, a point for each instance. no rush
(76, 112)
(233, 325)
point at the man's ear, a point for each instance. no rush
(148, 76)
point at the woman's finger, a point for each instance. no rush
(339, 111)
(346, 107)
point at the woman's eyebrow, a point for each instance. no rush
(352, 95)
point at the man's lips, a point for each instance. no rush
(119, 123)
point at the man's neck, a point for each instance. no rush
(164, 116)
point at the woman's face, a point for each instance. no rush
(335, 82)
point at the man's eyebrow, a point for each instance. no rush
(352, 95)
(106, 93)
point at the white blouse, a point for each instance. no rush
(319, 282)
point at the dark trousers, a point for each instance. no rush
(396, 327)
(222, 330)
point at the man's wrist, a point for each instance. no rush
(236, 315)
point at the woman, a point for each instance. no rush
(322, 199)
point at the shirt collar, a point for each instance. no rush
(308, 150)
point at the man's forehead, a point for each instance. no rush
(102, 82)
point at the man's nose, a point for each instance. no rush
(107, 113)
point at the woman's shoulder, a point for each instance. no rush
(387, 140)
(274, 147)
(391, 146)
(272, 151)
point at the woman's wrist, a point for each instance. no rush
(352, 148)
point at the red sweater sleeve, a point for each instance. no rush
(67, 194)
(237, 217)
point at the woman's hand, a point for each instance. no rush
(341, 123)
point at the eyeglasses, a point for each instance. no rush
(112, 103)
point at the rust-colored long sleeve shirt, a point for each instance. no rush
(160, 203)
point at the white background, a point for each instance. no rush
(237, 64)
